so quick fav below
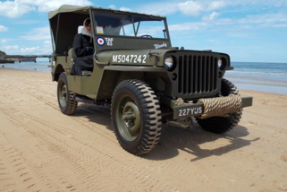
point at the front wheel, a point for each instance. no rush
(66, 99)
(136, 116)
(227, 122)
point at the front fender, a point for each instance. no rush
(56, 74)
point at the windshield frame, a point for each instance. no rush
(135, 30)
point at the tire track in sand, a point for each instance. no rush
(19, 176)
(87, 158)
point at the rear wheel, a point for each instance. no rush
(66, 99)
(136, 116)
(227, 122)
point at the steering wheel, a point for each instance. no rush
(146, 36)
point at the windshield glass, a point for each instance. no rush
(118, 24)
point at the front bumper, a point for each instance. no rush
(186, 110)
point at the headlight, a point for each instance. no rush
(222, 63)
(219, 63)
(169, 62)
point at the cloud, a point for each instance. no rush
(42, 33)
(125, 9)
(267, 3)
(17, 8)
(4, 41)
(45, 6)
(274, 20)
(211, 17)
(112, 7)
(14, 9)
(29, 50)
(45, 49)
(9, 48)
(194, 8)
(27, 22)
(198, 7)
(187, 26)
(233, 27)
(159, 8)
(190, 8)
(215, 5)
(121, 8)
(3, 28)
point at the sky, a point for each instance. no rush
(247, 30)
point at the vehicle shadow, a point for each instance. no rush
(96, 114)
(174, 139)
(190, 140)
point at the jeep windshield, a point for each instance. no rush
(129, 25)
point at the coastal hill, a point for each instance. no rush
(3, 58)
(2, 53)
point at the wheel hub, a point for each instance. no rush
(63, 95)
(130, 114)
(129, 119)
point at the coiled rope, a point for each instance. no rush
(220, 106)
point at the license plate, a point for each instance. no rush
(188, 111)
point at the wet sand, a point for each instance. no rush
(43, 150)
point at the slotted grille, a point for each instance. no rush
(197, 74)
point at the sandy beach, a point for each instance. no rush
(43, 150)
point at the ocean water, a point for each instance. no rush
(265, 77)
(38, 66)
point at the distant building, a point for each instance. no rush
(4, 58)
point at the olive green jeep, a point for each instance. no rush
(145, 81)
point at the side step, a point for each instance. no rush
(84, 99)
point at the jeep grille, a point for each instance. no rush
(197, 76)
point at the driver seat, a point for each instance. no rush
(72, 56)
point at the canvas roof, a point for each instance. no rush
(73, 8)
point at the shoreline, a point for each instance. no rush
(28, 70)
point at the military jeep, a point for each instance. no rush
(143, 79)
